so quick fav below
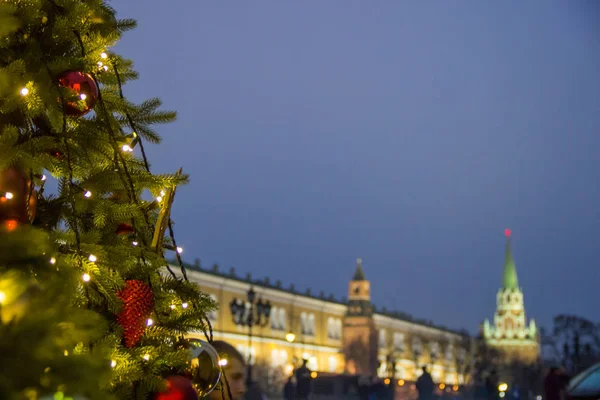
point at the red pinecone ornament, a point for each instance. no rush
(138, 302)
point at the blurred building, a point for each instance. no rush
(334, 335)
(511, 334)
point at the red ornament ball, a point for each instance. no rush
(124, 229)
(85, 89)
(138, 301)
(178, 388)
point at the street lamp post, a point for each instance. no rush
(244, 314)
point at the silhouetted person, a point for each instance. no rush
(555, 385)
(303, 381)
(289, 389)
(425, 385)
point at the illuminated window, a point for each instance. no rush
(434, 349)
(450, 352)
(212, 316)
(382, 338)
(332, 364)
(307, 324)
(278, 358)
(399, 341)
(334, 328)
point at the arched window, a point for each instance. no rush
(338, 328)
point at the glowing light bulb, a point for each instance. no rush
(8, 195)
(126, 148)
(162, 193)
(87, 194)
(105, 67)
(222, 362)
(66, 353)
(180, 250)
(43, 178)
(172, 306)
(92, 258)
(103, 55)
(149, 322)
(86, 277)
(146, 357)
(2, 297)
(184, 305)
(113, 363)
(24, 91)
(100, 63)
(159, 199)
(134, 243)
(52, 260)
(82, 96)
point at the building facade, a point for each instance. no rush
(510, 333)
(335, 336)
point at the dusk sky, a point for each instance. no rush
(410, 134)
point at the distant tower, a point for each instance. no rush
(510, 333)
(360, 334)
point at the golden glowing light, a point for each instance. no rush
(24, 91)
(52, 260)
(387, 381)
(314, 374)
(103, 55)
(2, 297)
(442, 386)
(113, 363)
(150, 322)
(503, 387)
(87, 194)
(184, 305)
(146, 357)
(455, 388)
(290, 337)
(401, 382)
(8, 195)
(92, 258)
(86, 277)
(223, 362)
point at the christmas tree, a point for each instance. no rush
(89, 306)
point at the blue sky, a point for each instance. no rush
(410, 134)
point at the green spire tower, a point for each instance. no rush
(510, 331)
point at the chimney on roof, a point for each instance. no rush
(249, 277)
(267, 281)
(308, 291)
(231, 271)
(215, 267)
(292, 288)
(278, 283)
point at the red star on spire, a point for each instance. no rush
(507, 232)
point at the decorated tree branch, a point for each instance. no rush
(89, 306)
